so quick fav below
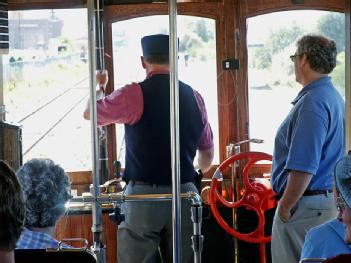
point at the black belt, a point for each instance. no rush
(317, 192)
(310, 193)
(137, 182)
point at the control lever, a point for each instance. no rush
(114, 185)
(117, 216)
(198, 178)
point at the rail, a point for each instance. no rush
(60, 118)
(115, 198)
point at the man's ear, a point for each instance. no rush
(303, 59)
(143, 62)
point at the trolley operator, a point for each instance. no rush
(144, 108)
(308, 144)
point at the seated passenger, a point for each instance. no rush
(332, 238)
(343, 186)
(46, 189)
(11, 212)
(325, 241)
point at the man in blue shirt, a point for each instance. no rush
(308, 144)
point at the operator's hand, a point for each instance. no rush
(284, 213)
(102, 79)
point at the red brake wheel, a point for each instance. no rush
(255, 197)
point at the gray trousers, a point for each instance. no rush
(147, 229)
(288, 238)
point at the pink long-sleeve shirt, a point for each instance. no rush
(126, 105)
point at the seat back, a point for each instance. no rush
(343, 258)
(56, 256)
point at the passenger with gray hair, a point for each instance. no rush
(46, 188)
(308, 144)
(11, 212)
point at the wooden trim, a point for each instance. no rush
(45, 4)
(256, 7)
(123, 12)
(259, 7)
(242, 86)
(232, 86)
(227, 99)
(79, 226)
(53, 4)
(80, 177)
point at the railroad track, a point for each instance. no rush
(39, 123)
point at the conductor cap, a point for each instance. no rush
(155, 45)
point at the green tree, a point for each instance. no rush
(190, 43)
(332, 25)
(201, 29)
(199, 40)
(338, 74)
(284, 37)
(263, 57)
(277, 42)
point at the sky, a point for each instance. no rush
(75, 20)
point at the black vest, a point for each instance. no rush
(148, 145)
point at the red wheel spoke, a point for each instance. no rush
(256, 197)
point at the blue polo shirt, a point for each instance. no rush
(311, 138)
(325, 241)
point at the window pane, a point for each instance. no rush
(196, 65)
(272, 84)
(45, 84)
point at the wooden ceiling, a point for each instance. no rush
(44, 4)
(49, 4)
(253, 7)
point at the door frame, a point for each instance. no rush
(118, 13)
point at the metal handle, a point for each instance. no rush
(306, 260)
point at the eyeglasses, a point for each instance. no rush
(293, 57)
(340, 204)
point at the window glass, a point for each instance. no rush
(271, 77)
(196, 65)
(45, 84)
